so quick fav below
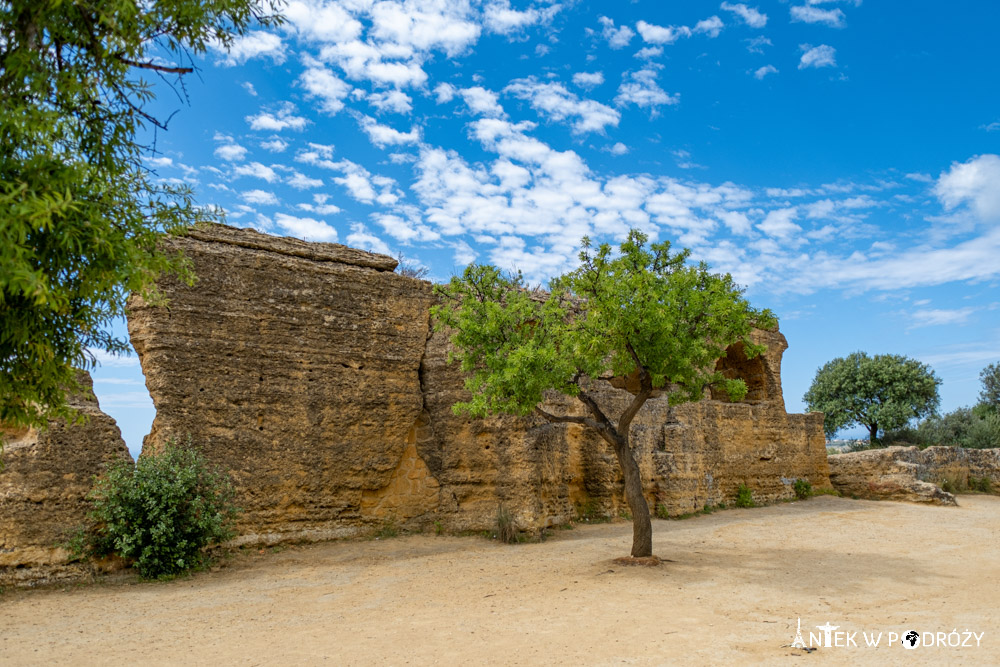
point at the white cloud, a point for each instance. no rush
(284, 119)
(927, 317)
(655, 34)
(360, 237)
(308, 229)
(405, 230)
(366, 61)
(642, 90)
(975, 183)
(256, 44)
(425, 25)
(383, 135)
(445, 92)
(757, 44)
(991, 127)
(778, 223)
(554, 101)
(920, 178)
(750, 15)
(275, 145)
(811, 14)
(588, 79)
(256, 170)
(617, 38)
(482, 101)
(618, 149)
(711, 26)
(303, 182)
(321, 83)
(649, 52)
(498, 17)
(231, 152)
(261, 197)
(817, 56)
(320, 207)
(761, 72)
(108, 360)
(393, 100)
(321, 21)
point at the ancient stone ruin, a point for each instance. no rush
(312, 372)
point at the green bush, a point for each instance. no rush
(803, 489)
(160, 513)
(744, 497)
(975, 428)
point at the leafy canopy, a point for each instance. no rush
(80, 214)
(881, 392)
(640, 309)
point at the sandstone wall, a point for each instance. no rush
(913, 474)
(44, 481)
(311, 371)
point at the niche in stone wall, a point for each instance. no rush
(752, 371)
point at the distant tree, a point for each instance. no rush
(990, 394)
(644, 314)
(80, 214)
(881, 392)
(405, 267)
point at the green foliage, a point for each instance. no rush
(802, 488)
(642, 313)
(81, 214)
(964, 427)
(881, 392)
(614, 315)
(989, 396)
(981, 484)
(744, 497)
(506, 527)
(661, 511)
(160, 513)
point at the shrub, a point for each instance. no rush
(803, 489)
(744, 497)
(506, 528)
(981, 484)
(661, 511)
(160, 513)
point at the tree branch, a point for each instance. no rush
(568, 419)
(625, 421)
(157, 68)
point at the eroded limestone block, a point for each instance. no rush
(44, 482)
(893, 473)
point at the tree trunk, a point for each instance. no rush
(642, 528)
(872, 434)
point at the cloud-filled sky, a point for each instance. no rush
(840, 158)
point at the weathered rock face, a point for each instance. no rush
(43, 486)
(912, 474)
(296, 365)
(311, 372)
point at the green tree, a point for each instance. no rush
(989, 396)
(80, 214)
(644, 313)
(881, 392)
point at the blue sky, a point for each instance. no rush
(839, 158)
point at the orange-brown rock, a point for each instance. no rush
(311, 372)
(44, 481)
(915, 475)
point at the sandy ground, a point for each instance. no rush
(737, 583)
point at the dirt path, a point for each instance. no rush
(738, 582)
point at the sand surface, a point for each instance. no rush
(737, 584)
